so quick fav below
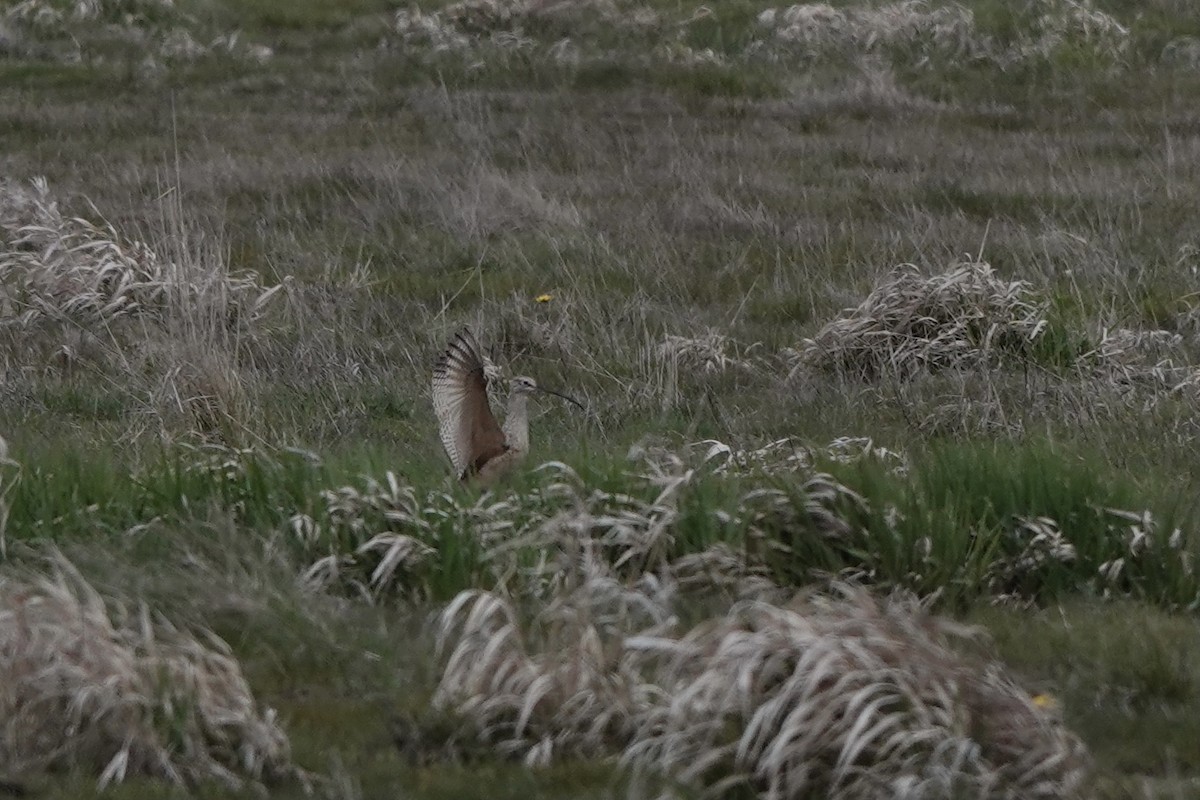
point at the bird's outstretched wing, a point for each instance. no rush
(465, 422)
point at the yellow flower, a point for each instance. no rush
(1044, 701)
(543, 298)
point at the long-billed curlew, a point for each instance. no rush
(478, 447)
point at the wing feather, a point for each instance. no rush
(466, 425)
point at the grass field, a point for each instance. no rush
(887, 321)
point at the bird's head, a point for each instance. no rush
(525, 385)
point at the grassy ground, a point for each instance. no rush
(698, 193)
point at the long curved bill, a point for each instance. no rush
(568, 398)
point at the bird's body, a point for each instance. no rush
(478, 447)
(516, 436)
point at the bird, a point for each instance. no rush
(480, 450)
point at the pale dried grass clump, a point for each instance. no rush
(469, 25)
(214, 397)
(850, 449)
(172, 314)
(929, 34)
(557, 31)
(419, 29)
(965, 317)
(49, 12)
(675, 366)
(563, 683)
(779, 456)
(619, 538)
(837, 696)
(1182, 52)
(845, 697)
(678, 52)
(708, 352)
(59, 268)
(1076, 23)
(818, 28)
(484, 17)
(789, 455)
(1153, 359)
(561, 686)
(25, 204)
(91, 30)
(594, 545)
(120, 695)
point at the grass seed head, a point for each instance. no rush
(122, 694)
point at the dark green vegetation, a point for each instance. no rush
(399, 185)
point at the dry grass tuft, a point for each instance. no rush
(821, 28)
(789, 455)
(575, 698)
(722, 571)
(500, 24)
(480, 202)
(780, 456)
(1041, 543)
(156, 32)
(564, 32)
(849, 449)
(834, 696)
(79, 293)
(710, 352)
(1078, 23)
(950, 345)
(1154, 359)
(1148, 547)
(846, 697)
(826, 509)
(121, 695)
(385, 538)
(930, 35)
(56, 267)
(917, 32)
(962, 318)
(380, 537)
(68, 267)
(207, 390)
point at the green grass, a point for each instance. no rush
(402, 193)
(946, 526)
(68, 80)
(941, 527)
(1133, 704)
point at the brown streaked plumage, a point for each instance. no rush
(478, 447)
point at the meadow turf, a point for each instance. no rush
(901, 294)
